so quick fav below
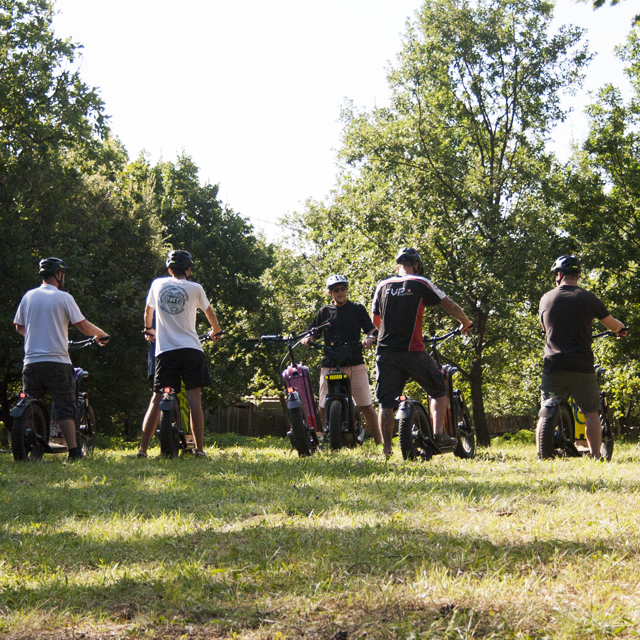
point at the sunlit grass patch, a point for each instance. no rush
(257, 542)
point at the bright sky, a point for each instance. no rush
(252, 90)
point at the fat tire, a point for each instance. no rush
(552, 432)
(466, 447)
(29, 434)
(335, 425)
(168, 433)
(606, 445)
(86, 430)
(299, 432)
(413, 436)
(358, 428)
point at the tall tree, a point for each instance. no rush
(456, 165)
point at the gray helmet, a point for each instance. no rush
(336, 279)
(180, 259)
(567, 265)
(50, 266)
(410, 255)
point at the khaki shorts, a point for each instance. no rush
(359, 385)
(582, 386)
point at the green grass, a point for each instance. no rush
(256, 543)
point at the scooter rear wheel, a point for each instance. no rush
(554, 433)
(413, 434)
(168, 434)
(335, 425)
(29, 434)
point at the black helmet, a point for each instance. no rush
(566, 265)
(410, 255)
(180, 259)
(336, 279)
(50, 266)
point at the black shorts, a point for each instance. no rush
(181, 364)
(56, 378)
(582, 386)
(394, 368)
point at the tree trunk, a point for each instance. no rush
(479, 419)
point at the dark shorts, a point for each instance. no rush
(57, 379)
(181, 364)
(394, 368)
(583, 387)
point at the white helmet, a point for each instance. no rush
(336, 279)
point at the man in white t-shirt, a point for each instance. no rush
(179, 355)
(43, 318)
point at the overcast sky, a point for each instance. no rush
(252, 90)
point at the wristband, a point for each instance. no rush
(149, 328)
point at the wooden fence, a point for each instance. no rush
(267, 418)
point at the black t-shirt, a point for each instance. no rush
(348, 322)
(567, 313)
(400, 303)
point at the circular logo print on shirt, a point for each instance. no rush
(173, 299)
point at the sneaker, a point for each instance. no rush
(200, 454)
(75, 454)
(141, 454)
(444, 440)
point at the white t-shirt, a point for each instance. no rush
(45, 313)
(176, 302)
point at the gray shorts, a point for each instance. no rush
(394, 368)
(583, 387)
(38, 378)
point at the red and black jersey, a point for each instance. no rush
(398, 307)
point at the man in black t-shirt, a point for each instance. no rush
(566, 314)
(348, 321)
(398, 306)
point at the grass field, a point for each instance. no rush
(256, 543)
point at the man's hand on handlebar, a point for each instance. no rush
(308, 341)
(101, 341)
(149, 334)
(622, 333)
(466, 327)
(368, 342)
(215, 337)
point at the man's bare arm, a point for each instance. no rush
(455, 311)
(615, 326)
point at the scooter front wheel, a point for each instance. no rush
(86, 430)
(554, 433)
(299, 432)
(606, 446)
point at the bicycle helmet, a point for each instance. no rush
(180, 259)
(336, 279)
(567, 265)
(410, 255)
(50, 266)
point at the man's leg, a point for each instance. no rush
(593, 431)
(68, 428)
(371, 422)
(439, 413)
(150, 422)
(387, 420)
(194, 399)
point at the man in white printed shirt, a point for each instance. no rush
(179, 354)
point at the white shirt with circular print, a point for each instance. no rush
(176, 302)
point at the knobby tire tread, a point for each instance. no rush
(168, 435)
(466, 447)
(86, 438)
(299, 432)
(23, 444)
(335, 425)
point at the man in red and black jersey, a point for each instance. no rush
(398, 307)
